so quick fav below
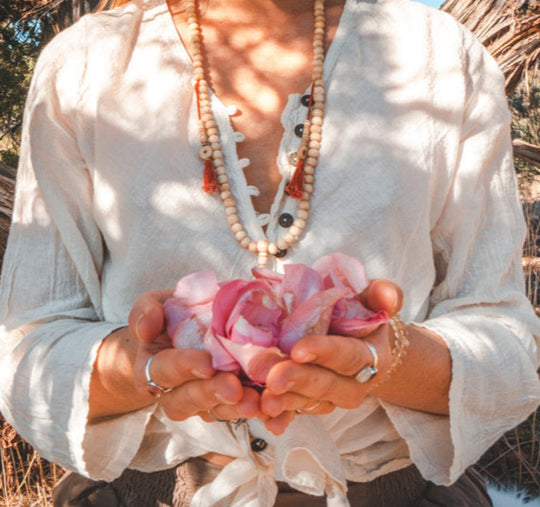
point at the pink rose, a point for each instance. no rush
(249, 326)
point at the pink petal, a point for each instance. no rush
(244, 333)
(254, 360)
(299, 284)
(340, 270)
(222, 360)
(311, 317)
(259, 307)
(189, 335)
(358, 326)
(196, 288)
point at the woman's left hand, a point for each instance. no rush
(321, 373)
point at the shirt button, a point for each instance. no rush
(305, 100)
(258, 445)
(298, 130)
(286, 220)
(280, 253)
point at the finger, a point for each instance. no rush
(199, 396)
(278, 425)
(247, 408)
(316, 383)
(173, 367)
(345, 355)
(273, 405)
(146, 319)
(382, 295)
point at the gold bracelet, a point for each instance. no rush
(400, 348)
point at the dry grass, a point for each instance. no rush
(27, 479)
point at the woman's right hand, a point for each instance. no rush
(119, 383)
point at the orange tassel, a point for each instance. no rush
(295, 188)
(210, 185)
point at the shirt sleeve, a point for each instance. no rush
(51, 319)
(478, 305)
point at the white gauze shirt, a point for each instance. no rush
(415, 179)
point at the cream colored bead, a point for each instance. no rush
(272, 249)
(222, 178)
(262, 259)
(302, 214)
(308, 188)
(294, 230)
(245, 243)
(231, 211)
(220, 171)
(282, 245)
(308, 178)
(301, 224)
(233, 219)
(289, 238)
(226, 194)
(236, 228)
(229, 202)
(314, 145)
(262, 245)
(304, 205)
(253, 246)
(239, 236)
(218, 162)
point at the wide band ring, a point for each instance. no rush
(309, 409)
(369, 371)
(152, 387)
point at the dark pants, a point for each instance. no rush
(176, 487)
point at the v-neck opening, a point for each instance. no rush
(229, 136)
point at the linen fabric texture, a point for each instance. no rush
(415, 179)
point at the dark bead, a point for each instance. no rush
(286, 220)
(280, 253)
(305, 100)
(298, 130)
(258, 445)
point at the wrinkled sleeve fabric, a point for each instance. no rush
(478, 305)
(51, 321)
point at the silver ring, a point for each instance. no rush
(369, 371)
(309, 409)
(152, 387)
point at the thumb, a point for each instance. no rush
(382, 295)
(146, 319)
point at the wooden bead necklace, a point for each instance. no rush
(215, 175)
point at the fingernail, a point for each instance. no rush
(201, 374)
(304, 357)
(138, 325)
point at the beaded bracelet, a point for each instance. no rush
(399, 351)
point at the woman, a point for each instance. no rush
(405, 165)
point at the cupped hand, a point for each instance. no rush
(197, 388)
(321, 373)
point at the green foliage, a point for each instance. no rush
(20, 43)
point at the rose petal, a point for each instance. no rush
(190, 334)
(196, 288)
(254, 360)
(244, 333)
(340, 270)
(299, 284)
(359, 326)
(311, 317)
(221, 359)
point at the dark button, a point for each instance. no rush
(280, 253)
(298, 130)
(258, 445)
(286, 220)
(305, 100)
